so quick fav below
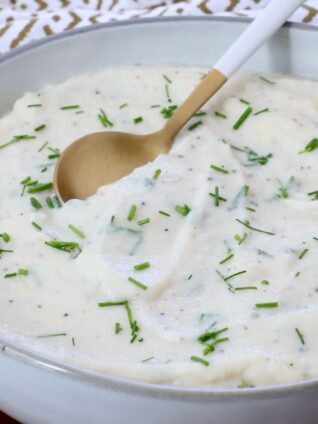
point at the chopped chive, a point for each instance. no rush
(203, 338)
(314, 195)
(253, 157)
(40, 128)
(69, 107)
(23, 272)
(297, 274)
(79, 112)
(219, 169)
(211, 346)
(228, 258)
(221, 199)
(35, 105)
(104, 119)
(137, 283)
(312, 145)
(13, 274)
(194, 125)
(182, 210)
(250, 209)
(167, 112)
(265, 282)
(123, 105)
(35, 203)
(142, 266)
(220, 115)
(200, 113)
(118, 328)
(52, 335)
(24, 137)
(40, 187)
(5, 237)
(267, 305)
(156, 174)
(190, 276)
(5, 251)
(300, 336)
(245, 288)
(261, 111)
(143, 221)
(240, 239)
(36, 226)
(216, 197)
(234, 275)
(244, 102)
(247, 225)
(267, 80)
(65, 246)
(76, 231)
(148, 359)
(138, 119)
(303, 253)
(132, 212)
(244, 384)
(243, 118)
(112, 219)
(200, 360)
(49, 202)
(168, 93)
(73, 341)
(167, 79)
(107, 304)
(164, 213)
(132, 323)
(154, 106)
(43, 146)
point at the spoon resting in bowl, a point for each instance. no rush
(103, 157)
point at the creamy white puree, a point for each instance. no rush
(186, 295)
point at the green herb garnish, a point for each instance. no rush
(52, 335)
(243, 118)
(156, 174)
(37, 188)
(228, 258)
(182, 210)
(5, 237)
(132, 212)
(267, 305)
(245, 288)
(261, 111)
(300, 336)
(167, 79)
(36, 226)
(65, 246)
(194, 125)
(219, 169)
(76, 231)
(143, 221)
(104, 119)
(303, 253)
(267, 80)
(137, 283)
(240, 239)
(164, 213)
(40, 128)
(138, 119)
(167, 112)
(142, 266)
(118, 328)
(247, 225)
(220, 114)
(200, 360)
(70, 107)
(312, 145)
(35, 203)
(35, 105)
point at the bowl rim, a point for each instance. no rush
(100, 379)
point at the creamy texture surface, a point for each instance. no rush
(222, 232)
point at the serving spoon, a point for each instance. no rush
(103, 157)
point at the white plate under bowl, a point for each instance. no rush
(36, 390)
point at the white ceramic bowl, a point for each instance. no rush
(36, 390)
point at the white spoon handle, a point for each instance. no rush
(269, 21)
